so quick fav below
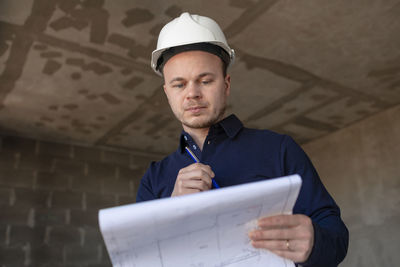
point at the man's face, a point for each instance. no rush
(196, 89)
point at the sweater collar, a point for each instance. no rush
(231, 126)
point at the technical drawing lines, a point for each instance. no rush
(208, 229)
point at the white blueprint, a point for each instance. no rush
(207, 229)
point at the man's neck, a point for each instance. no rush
(198, 135)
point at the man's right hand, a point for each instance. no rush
(192, 179)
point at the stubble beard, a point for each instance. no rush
(208, 123)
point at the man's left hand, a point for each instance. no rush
(289, 236)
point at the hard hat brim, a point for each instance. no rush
(158, 52)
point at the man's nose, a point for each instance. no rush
(193, 90)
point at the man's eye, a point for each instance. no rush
(178, 85)
(206, 81)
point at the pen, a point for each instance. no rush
(195, 159)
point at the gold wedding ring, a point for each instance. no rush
(287, 244)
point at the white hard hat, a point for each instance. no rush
(190, 29)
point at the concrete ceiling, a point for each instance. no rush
(78, 70)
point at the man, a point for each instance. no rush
(193, 56)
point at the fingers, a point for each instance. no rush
(280, 221)
(288, 249)
(196, 171)
(196, 176)
(271, 244)
(272, 234)
(296, 256)
(200, 185)
(193, 178)
(294, 250)
(289, 236)
(297, 250)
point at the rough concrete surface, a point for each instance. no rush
(78, 71)
(359, 165)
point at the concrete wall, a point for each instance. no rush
(360, 166)
(50, 195)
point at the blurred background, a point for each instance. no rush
(82, 114)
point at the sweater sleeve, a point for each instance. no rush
(330, 233)
(145, 190)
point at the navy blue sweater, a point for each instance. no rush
(240, 155)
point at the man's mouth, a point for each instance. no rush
(195, 109)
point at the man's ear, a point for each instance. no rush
(165, 92)
(227, 82)
(165, 89)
